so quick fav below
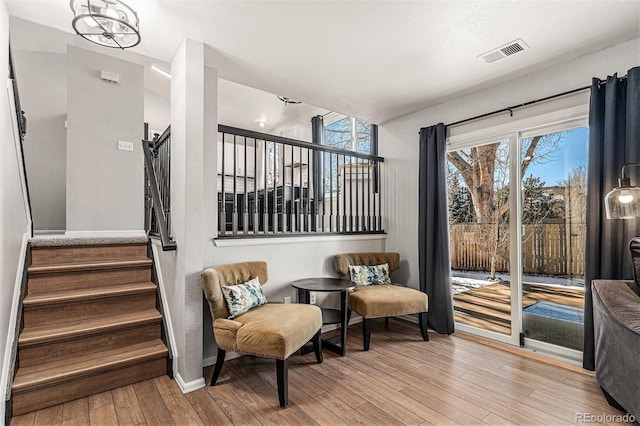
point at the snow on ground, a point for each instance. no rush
(466, 280)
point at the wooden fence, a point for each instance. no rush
(548, 249)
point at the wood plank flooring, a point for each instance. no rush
(489, 307)
(402, 380)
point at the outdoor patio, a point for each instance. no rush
(487, 305)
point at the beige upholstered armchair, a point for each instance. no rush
(271, 330)
(381, 300)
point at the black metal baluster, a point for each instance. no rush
(300, 209)
(357, 215)
(254, 208)
(351, 193)
(290, 206)
(265, 191)
(282, 212)
(234, 217)
(363, 223)
(274, 194)
(330, 193)
(245, 207)
(369, 195)
(312, 205)
(222, 205)
(379, 198)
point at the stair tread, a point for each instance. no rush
(84, 266)
(57, 332)
(49, 374)
(66, 296)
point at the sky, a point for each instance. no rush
(572, 153)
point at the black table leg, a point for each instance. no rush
(303, 296)
(343, 322)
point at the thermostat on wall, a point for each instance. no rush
(110, 76)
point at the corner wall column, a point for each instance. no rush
(194, 93)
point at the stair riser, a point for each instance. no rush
(50, 352)
(35, 316)
(88, 279)
(100, 253)
(68, 391)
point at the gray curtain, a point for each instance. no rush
(433, 229)
(614, 139)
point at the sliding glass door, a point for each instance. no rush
(479, 181)
(516, 217)
(553, 188)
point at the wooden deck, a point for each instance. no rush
(489, 307)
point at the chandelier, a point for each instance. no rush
(108, 23)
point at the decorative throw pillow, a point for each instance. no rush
(370, 275)
(243, 297)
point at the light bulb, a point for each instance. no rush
(625, 198)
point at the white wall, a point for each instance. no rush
(157, 112)
(43, 93)
(398, 138)
(104, 185)
(14, 222)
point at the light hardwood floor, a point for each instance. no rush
(401, 380)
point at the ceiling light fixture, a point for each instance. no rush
(288, 100)
(109, 23)
(160, 70)
(261, 123)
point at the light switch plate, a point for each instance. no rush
(125, 146)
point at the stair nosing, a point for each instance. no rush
(88, 266)
(37, 300)
(150, 317)
(158, 350)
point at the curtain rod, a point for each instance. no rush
(511, 108)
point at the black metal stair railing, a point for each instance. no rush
(157, 162)
(271, 186)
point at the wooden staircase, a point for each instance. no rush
(90, 323)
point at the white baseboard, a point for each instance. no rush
(165, 307)
(191, 386)
(48, 232)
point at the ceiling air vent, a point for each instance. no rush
(508, 49)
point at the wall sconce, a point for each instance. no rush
(108, 23)
(623, 202)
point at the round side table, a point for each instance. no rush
(329, 316)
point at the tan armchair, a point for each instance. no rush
(271, 330)
(381, 300)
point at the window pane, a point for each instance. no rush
(363, 137)
(338, 134)
(554, 187)
(478, 192)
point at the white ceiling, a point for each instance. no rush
(375, 60)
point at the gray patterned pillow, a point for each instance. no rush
(243, 297)
(370, 275)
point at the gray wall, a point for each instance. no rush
(104, 185)
(14, 223)
(43, 93)
(399, 137)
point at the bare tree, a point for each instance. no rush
(485, 172)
